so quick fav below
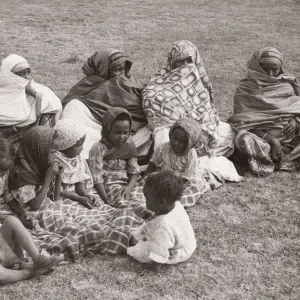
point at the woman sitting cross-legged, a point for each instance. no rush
(267, 115)
(107, 84)
(23, 102)
(63, 226)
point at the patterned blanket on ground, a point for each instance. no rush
(67, 227)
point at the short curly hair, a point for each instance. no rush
(166, 184)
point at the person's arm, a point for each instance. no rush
(101, 191)
(57, 188)
(22, 213)
(81, 189)
(10, 276)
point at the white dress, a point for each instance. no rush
(166, 239)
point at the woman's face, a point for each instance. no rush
(182, 62)
(272, 69)
(179, 141)
(26, 73)
(118, 71)
(119, 132)
(74, 150)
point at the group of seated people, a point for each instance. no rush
(110, 168)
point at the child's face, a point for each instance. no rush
(120, 70)
(152, 201)
(75, 150)
(179, 141)
(271, 69)
(119, 132)
(5, 164)
(185, 61)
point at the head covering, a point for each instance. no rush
(264, 55)
(100, 63)
(31, 162)
(128, 149)
(14, 63)
(197, 137)
(67, 134)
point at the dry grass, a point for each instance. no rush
(248, 233)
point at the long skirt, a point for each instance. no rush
(258, 153)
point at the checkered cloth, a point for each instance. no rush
(67, 227)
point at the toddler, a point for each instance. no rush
(167, 238)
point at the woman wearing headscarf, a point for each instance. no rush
(23, 102)
(183, 89)
(107, 84)
(267, 114)
(63, 226)
(113, 163)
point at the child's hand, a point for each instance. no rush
(94, 199)
(126, 192)
(85, 201)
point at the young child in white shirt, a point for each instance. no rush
(167, 238)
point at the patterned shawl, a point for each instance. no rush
(31, 162)
(99, 93)
(262, 101)
(174, 93)
(128, 149)
(197, 138)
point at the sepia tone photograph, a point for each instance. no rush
(149, 150)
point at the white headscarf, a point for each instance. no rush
(16, 107)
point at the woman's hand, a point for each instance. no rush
(289, 129)
(126, 192)
(30, 90)
(276, 150)
(53, 170)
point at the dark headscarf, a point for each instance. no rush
(197, 137)
(32, 158)
(128, 149)
(100, 63)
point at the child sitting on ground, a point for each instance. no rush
(168, 238)
(113, 163)
(14, 237)
(180, 155)
(74, 180)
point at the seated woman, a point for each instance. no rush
(267, 114)
(183, 89)
(113, 163)
(62, 226)
(107, 84)
(23, 102)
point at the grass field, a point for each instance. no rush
(248, 233)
